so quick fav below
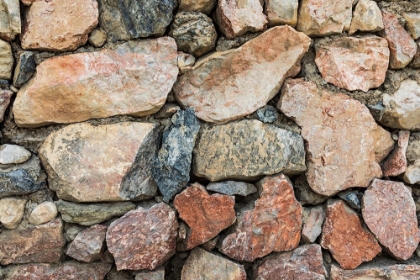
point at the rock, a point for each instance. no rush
(413, 24)
(93, 213)
(97, 38)
(395, 271)
(281, 12)
(366, 17)
(224, 44)
(343, 235)
(267, 114)
(273, 225)
(236, 18)
(351, 198)
(185, 62)
(9, 19)
(24, 69)
(413, 149)
(143, 238)
(353, 63)
(88, 245)
(13, 154)
(305, 194)
(73, 21)
(232, 188)
(43, 243)
(194, 33)
(167, 111)
(11, 211)
(171, 169)
(206, 215)
(43, 213)
(205, 265)
(113, 162)
(412, 173)
(204, 6)
(324, 17)
(215, 87)
(66, 271)
(133, 79)
(5, 96)
(303, 263)
(331, 127)
(401, 108)
(396, 163)
(17, 182)
(312, 224)
(6, 59)
(401, 45)
(223, 152)
(135, 19)
(157, 274)
(396, 229)
(71, 231)
(415, 63)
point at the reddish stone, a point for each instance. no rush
(5, 96)
(390, 213)
(88, 245)
(273, 225)
(343, 235)
(392, 272)
(206, 215)
(396, 163)
(303, 263)
(143, 238)
(312, 223)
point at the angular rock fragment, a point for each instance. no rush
(157, 274)
(305, 194)
(13, 154)
(395, 271)
(224, 44)
(88, 245)
(273, 225)
(415, 63)
(413, 24)
(215, 87)
(267, 114)
(339, 154)
(113, 162)
(17, 182)
(185, 62)
(143, 238)
(11, 211)
(232, 188)
(366, 17)
(9, 19)
(281, 12)
(351, 198)
(133, 79)
(343, 235)
(396, 163)
(43, 213)
(247, 150)
(412, 173)
(97, 38)
(24, 69)
(6, 60)
(397, 228)
(5, 96)
(312, 223)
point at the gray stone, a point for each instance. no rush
(224, 43)
(93, 213)
(88, 245)
(305, 194)
(232, 188)
(351, 198)
(413, 149)
(71, 231)
(412, 173)
(171, 170)
(124, 20)
(5, 96)
(157, 274)
(25, 68)
(9, 19)
(267, 114)
(17, 182)
(13, 154)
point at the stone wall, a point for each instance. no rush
(229, 139)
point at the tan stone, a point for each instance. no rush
(185, 62)
(339, 155)
(235, 18)
(353, 63)
(366, 17)
(312, 223)
(43, 213)
(396, 163)
(281, 12)
(87, 163)
(134, 79)
(59, 25)
(97, 38)
(204, 6)
(218, 85)
(413, 24)
(380, 271)
(6, 60)
(11, 211)
(9, 19)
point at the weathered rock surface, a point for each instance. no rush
(93, 213)
(224, 44)
(339, 154)
(397, 272)
(206, 215)
(324, 17)
(43, 243)
(13, 154)
(232, 188)
(397, 228)
(157, 274)
(17, 182)
(133, 79)
(24, 69)
(9, 19)
(304, 263)
(401, 45)
(43, 213)
(204, 265)
(415, 63)
(312, 223)
(353, 63)
(281, 12)
(97, 38)
(305, 194)
(215, 87)
(412, 173)
(396, 163)
(204, 6)
(343, 235)
(135, 19)
(11, 211)
(171, 169)
(194, 33)
(273, 225)
(223, 152)
(143, 238)
(413, 149)
(72, 23)
(413, 24)
(5, 96)
(351, 198)
(88, 245)
(113, 162)
(366, 17)
(6, 60)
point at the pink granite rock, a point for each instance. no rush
(88, 245)
(396, 163)
(392, 272)
(312, 223)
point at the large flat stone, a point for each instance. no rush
(9, 19)
(380, 271)
(132, 79)
(113, 162)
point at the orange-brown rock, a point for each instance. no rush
(133, 79)
(396, 163)
(390, 213)
(381, 271)
(206, 215)
(343, 235)
(218, 86)
(273, 225)
(339, 155)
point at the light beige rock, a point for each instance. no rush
(133, 79)
(312, 223)
(11, 211)
(412, 173)
(378, 270)
(59, 25)
(218, 86)
(366, 17)
(43, 213)
(204, 6)
(6, 60)
(281, 12)
(13, 154)
(9, 19)
(412, 24)
(97, 38)
(235, 18)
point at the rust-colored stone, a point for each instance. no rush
(396, 163)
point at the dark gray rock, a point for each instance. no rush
(124, 20)
(232, 188)
(25, 68)
(171, 170)
(267, 114)
(305, 194)
(352, 198)
(224, 43)
(17, 182)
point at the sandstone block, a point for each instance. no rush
(9, 19)
(6, 60)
